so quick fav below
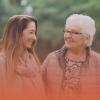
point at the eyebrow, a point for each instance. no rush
(32, 30)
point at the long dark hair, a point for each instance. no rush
(11, 40)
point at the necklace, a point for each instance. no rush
(72, 74)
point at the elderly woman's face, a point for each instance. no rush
(73, 37)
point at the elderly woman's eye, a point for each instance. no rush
(68, 31)
(77, 33)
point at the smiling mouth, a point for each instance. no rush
(68, 40)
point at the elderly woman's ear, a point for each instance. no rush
(87, 40)
(88, 37)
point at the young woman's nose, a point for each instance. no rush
(34, 37)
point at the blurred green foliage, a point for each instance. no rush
(51, 15)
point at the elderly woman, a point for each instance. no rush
(74, 70)
(19, 66)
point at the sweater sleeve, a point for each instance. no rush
(51, 75)
(98, 73)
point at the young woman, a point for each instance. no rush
(19, 65)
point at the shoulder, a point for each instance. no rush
(95, 55)
(57, 53)
(51, 61)
(55, 58)
(51, 57)
(95, 58)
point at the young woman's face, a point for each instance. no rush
(73, 37)
(29, 36)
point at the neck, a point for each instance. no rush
(77, 54)
(22, 52)
(77, 51)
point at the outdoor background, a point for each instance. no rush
(51, 16)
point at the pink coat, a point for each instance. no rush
(28, 78)
(53, 71)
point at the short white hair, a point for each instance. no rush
(86, 23)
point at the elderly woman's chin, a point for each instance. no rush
(69, 44)
(72, 46)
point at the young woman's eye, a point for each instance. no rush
(31, 32)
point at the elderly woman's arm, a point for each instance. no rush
(95, 62)
(44, 71)
(98, 73)
(51, 72)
